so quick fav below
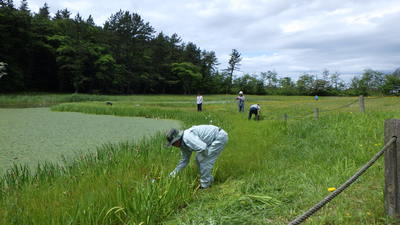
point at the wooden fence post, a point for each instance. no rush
(392, 169)
(361, 101)
(316, 113)
(285, 117)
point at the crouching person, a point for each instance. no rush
(255, 109)
(207, 141)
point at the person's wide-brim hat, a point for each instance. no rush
(172, 136)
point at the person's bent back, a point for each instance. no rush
(207, 141)
(255, 109)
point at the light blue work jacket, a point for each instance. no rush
(198, 139)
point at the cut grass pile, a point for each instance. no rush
(270, 172)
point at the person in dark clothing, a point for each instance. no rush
(255, 109)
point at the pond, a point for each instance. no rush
(29, 136)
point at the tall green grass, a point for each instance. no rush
(120, 184)
(270, 172)
(294, 164)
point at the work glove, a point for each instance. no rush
(172, 174)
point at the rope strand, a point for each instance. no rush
(345, 185)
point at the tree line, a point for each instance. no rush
(370, 82)
(127, 56)
(124, 56)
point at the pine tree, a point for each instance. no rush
(44, 11)
(233, 65)
(24, 6)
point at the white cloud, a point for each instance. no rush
(370, 17)
(298, 25)
(290, 36)
(77, 5)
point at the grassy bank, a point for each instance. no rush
(270, 172)
(44, 99)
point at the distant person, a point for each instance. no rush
(199, 101)
(255, 109)
(240, 100)
(207, 141)
(316, 97)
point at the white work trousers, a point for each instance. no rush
(206, 159)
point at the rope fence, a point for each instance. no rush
(340, 107)
(392, 164)
(317, 110)
(345, 185)
(307, 114)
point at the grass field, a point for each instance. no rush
(270, 172)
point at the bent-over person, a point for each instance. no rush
(255, 109)
(207, 141)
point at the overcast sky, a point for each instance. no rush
(291, 37)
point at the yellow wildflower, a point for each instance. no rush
(331, 189)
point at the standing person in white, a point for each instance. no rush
(199, 102)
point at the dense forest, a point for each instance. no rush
(60, 54)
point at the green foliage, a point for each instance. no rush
(250, 84)
(305, 84)
(62, 54)
(392, 85)
(368, 84)
(44, 12)
(189, 75)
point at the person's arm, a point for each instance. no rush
(183, 162)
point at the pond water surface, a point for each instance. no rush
(29, 136)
